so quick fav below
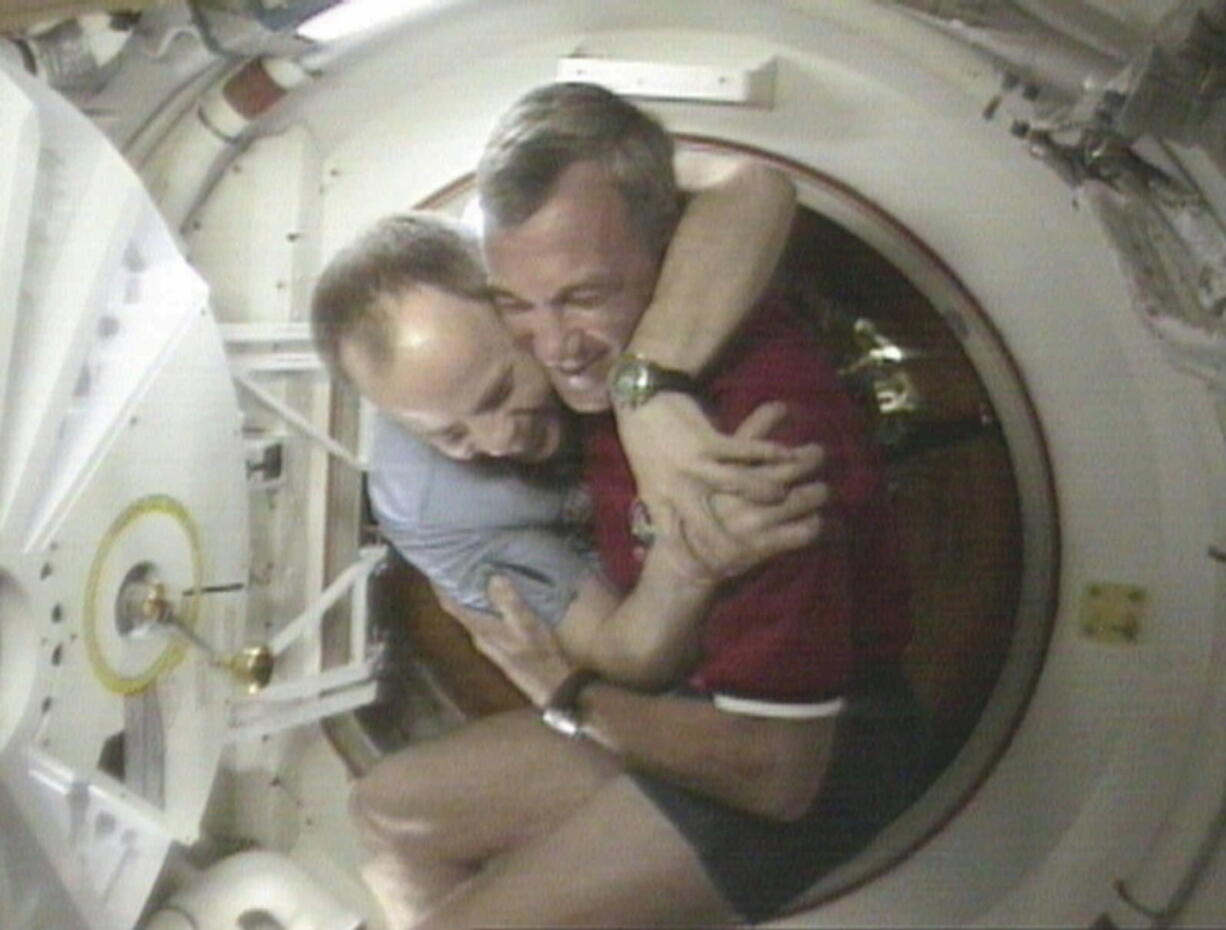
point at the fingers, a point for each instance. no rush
(803, 500)
(745, 449)
(503, 596)
(761, 421)
(750, 442)
(513, 609)
(709, 541)
(671, 533)
(481, 627)
(763, 483)
(694, 541)
(749, 481)
(744, 519)
(801, 463)
(787, 537)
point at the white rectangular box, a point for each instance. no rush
(751, 86)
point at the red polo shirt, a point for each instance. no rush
(796, 628)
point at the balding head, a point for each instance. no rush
(397, 254)
(403, 315)
(432, 342)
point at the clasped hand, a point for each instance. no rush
(721, 503)
(515, 639)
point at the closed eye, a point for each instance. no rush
(452, 436)
(506, 302)
(586, 296)
(497, 393)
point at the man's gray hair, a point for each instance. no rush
(401, 252)
(552, 127)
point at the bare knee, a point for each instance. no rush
(386, 801)
(410, 810)
(364, 813)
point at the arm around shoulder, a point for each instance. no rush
(721, 258)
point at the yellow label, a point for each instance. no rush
(1112, 612)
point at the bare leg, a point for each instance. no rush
(615, 861)
(435, 812)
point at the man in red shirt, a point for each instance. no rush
(578, 200)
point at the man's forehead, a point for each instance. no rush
(585, 218)
(532, 262)
(542, 262)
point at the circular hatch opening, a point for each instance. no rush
(969, 479)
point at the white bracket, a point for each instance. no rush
(308, 698)
(293, 418)
(304, 700)
(737, 84)
(352, 578)
(285, 348)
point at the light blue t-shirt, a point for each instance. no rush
(461, 522)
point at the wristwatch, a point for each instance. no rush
(561, 711)
(634, 380)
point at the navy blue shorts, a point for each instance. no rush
(876, 770)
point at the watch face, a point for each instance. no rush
(631, 382)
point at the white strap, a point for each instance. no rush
(755, 708)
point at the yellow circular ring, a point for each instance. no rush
(173, 654)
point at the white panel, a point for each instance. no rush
(18, 158)
(182, 442)
(98, 201)
(257, 240)
(119, 395)
(29, 895)
(255, 237)
(153, 297)
(107, 850)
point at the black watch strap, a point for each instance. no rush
(634, 380)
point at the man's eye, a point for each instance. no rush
(508, 303)
(501, 393)
(588, 297)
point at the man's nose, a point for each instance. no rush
(551, 342)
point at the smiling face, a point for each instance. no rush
(456, 379)
(572, 281)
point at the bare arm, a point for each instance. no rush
(768, 766)
(650, 637)
(645, 640)
(721, 257)
(719, 261)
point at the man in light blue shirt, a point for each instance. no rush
(462, 522)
